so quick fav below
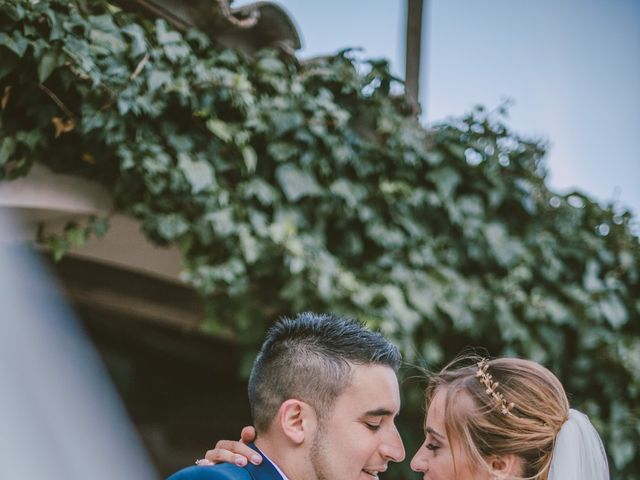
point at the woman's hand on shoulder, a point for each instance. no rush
(236, 452)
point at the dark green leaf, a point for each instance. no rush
(18, 44)
(7, 149)
(8, 62)
(51, 60)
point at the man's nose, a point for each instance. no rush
(393, 449)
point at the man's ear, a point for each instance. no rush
(298, 420)
(506, 466)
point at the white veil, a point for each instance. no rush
(578, 453)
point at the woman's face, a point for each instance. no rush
(434, 459)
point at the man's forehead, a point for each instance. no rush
(373, 372)
(374, 388)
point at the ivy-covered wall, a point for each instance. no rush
(292, 187)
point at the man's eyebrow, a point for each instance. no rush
(378, 412)
(434, 433)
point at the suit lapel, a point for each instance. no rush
(264, 471)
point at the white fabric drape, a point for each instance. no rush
(578, 453)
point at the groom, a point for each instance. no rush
(324, 396)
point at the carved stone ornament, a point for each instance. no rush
(247, 28)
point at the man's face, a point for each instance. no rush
(359, 437)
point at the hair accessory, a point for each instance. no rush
(491, 387)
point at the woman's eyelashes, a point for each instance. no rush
(432, 444)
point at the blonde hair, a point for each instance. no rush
(528, 430)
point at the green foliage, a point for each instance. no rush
(293, 187)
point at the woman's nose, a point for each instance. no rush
(419, 462)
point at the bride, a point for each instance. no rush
(505, 418)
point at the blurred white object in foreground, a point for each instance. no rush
(60, 417)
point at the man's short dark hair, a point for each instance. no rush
(309, 358)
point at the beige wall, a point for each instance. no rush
(44, 197)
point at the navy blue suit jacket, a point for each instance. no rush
(228, 471)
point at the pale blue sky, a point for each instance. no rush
(571, 67)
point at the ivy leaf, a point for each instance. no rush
(261, 190)
(198, 173)
(17, 45)
(296, 183)
(284, 122)
(623, 453)
(505, 249)
(98, 226)
(250, 158)
(138, 37)
(424, 298)
(446, 180)
(171, 226)
(270, 65)
(613, 310)
(14, 11)
(249, 245)
(557, 311)
(434, 157)
(220, 129)
(77, 236)
(55, 31)
(282, 151)
(591, 280)
(471, 207)
(51, 60)
(164, 35)
(258, 222)
(59, 246)
(105, 36)
(222, 222)
(406, 316)
(176, 51)
(158, 78)
(351, 193)
(171, 41)
(509, 327)
(7, 149)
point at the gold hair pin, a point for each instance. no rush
(491, 387)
